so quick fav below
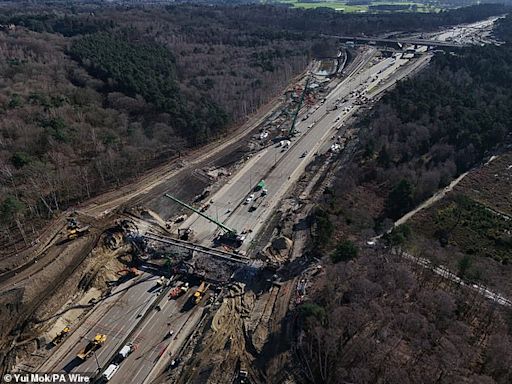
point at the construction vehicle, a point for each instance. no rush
(199, 293)
(92, 346)
(74, 230)
(124, 352)
(179, 290)
(230, 236)
(263, 135)
(180, 219)
(162, 281)
(61, 335)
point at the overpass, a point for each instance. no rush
(386, 41)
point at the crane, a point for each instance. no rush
(230, 235)
(291, 132)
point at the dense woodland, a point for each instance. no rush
(436, 126)
(92, 95)
(375, 318)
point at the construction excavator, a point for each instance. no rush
(74, 230)
(229, 235)
(92, 346)
(61, 335)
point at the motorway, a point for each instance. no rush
(282, 168)
(115, 317)
(474, 33)
(153, 344)
(118, 316)
(457, 36)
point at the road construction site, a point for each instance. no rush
(192, 270)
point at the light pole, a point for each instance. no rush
(97, 362)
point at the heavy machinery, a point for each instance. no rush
(74, 230)
(162, 281)
(230, 236)
(92, 346)
(199, 293)
(61, 335)
(178, 290)
(291, 131)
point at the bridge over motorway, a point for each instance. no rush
(405, 41)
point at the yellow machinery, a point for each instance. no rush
(92, 346)
(61, 335)
(199, 293)
(74, 229)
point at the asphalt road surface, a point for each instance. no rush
(282, 168)
(153, 342)
(115, 317)
(118, 316)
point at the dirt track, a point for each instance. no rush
(43, 269)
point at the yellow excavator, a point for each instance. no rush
(74, 230)
(61, 335)
(92, 346)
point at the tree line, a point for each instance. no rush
(95, 95)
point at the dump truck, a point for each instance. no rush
(199, 293)
(61, 335)
(92, 346)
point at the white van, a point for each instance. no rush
(110, 371)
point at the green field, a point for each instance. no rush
(343, 6)
(337, 5)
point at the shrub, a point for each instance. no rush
(345, 251)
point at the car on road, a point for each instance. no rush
(249, 198)
(304, 154)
